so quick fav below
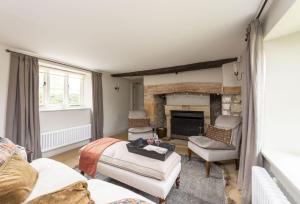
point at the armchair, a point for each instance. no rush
(213, 155)
(139, 125)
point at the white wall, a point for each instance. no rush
(4, 73)
(205, 75)
(282, 108)
(116, 105)
(61, 119)
(223, 75)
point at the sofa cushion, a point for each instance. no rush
(53, 176)
(219, 134)
(7, 149)
(17, 179)
(74, 193)
(208, 143)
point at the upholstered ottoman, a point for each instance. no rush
(152, 176)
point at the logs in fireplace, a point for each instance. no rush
(186, 123)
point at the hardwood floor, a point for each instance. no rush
(70, 158)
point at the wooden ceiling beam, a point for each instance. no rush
(176, 69)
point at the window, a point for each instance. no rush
(60, 89)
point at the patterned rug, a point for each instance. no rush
(194, 188)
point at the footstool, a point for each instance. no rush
(149, 175)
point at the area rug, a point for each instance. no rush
(194, 188)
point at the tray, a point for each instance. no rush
(138, 145)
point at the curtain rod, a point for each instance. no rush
(50, 60)
(257, 17)
(262, 9)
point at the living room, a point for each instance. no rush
(202, 91)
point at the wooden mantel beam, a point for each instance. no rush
(180, 68)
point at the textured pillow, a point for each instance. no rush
(219, 134)
(17, 179)
(129, 201)
(208, 143)
(75, 193)
(7, 149)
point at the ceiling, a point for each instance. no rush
(127, 35)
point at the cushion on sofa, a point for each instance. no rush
(7, 149)
(17, 179)
(53, 176)
(208, 143)
(219, 134)
(74, 193)
(129, 201)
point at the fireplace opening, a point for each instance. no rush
(186, 123)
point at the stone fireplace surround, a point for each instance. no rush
(169, 108)
(154, 102)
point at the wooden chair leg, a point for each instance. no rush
(162, 201)
(207, 168)
(177, 181)
(189, 154)
(237, 164)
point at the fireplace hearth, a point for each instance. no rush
(186, 123)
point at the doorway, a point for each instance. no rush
(137, 95)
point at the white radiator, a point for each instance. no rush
(60, 138)
(264, 189)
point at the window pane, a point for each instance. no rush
(74, 90)
(41, 88)
(56, 89)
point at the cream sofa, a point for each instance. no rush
(54, 175)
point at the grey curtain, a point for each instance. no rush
(22, 117)
(252, 97)
(97, 113)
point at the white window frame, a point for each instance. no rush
(65, 105)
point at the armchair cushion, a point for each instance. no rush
(213, 155)
(140, 130)
(219, 134)
(137, 115)
(233, 123)
(208, 143)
